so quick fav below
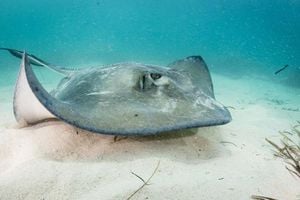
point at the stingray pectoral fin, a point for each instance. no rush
(198, 70)
(60, 109)
(27, 108)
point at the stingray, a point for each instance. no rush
(121, 99)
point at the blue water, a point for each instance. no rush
(236, 38)
(243, 42)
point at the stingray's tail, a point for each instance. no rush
(32, 59)
(39, 62)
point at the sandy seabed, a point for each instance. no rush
(53, 160)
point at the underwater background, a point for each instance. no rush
(244, 42)
(236, 38)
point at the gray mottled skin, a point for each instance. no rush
(133, 98)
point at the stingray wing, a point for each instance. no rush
(27, 108)
(198, 71)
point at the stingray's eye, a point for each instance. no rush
(155, 76)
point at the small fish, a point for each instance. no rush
(281, 69)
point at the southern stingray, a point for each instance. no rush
(123, 98)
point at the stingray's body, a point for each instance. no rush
(123, 99)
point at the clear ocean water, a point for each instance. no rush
(236, 38)
(244, 42)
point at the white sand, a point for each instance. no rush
(51, 161)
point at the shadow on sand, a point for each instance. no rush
(58, 141)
